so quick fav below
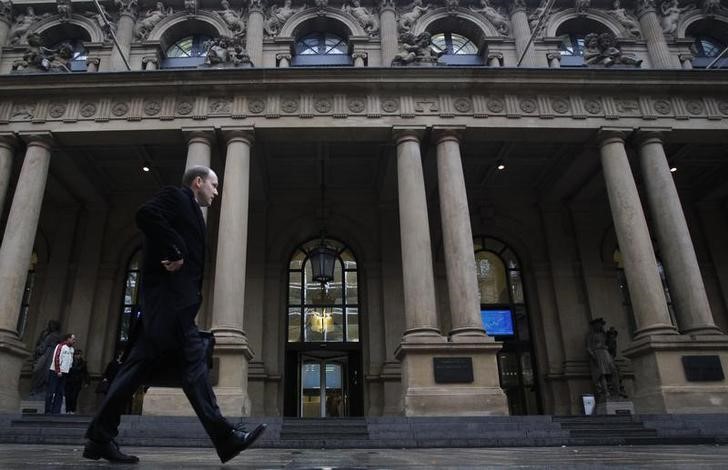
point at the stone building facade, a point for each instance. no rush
(532, 164)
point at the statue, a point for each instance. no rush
(277, 17)
(369, 22)
(225, 51)
(38, 58)
(151, 17)
(535, 17)
(407, 20)
(415, 49)
(127, 6)
(64, 10)
(44, 345)
(582, 6)
(19, 31)
(711, 7)
(232, 18)
(601, 49)
(103, 19)
(630, 23)
(191, 7)
(671, 12)
(494, 16)
(605, 375)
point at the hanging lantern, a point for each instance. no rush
(323, 261)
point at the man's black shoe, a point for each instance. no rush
(238, 442)
(107, 450)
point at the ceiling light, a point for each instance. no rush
(673, 169)
(146, 168)
(500, 165)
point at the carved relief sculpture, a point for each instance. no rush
(601, 49)
(6, 11)
(605, 374)
(414, 11)
(38, 58)
(535, 17)
(233, 19)
(191, 7)
(104, 19)
(452, 5)
(496, 18)
(19, 30)
(625, 19)
(128, 7)
(64, 9)
(671, 12)
(151, 17)
(226, 51)
(415, 50)
(277, 17)
(711, 7)
(582, 6)
(366, 19)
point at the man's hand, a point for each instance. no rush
(172, 266)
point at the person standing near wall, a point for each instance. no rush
(77, 379)
(57, 373)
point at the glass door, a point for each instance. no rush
(323, 394)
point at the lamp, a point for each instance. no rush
(323, 257)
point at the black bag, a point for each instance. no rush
(170, 375)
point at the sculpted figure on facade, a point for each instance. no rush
(321, 5)
(6, 12)
(277, 17)
(150, 19)
(535, 17)
(601, 49)
(103, 18)
(415, 50)
(19, 31)
(711, 7)
(191, 7)
(582, 6)
(233, 19)
(414, 11)
(625, 19)
(644, 6)
(64, 9)
(671, 11)
(366, 19)
(496, 18)
(38, 58)
(44, 345)
(605, 375)
(226, 52)
(128, 7)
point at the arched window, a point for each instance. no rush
(27, 293)
(572, 34)
(710, 38)
(505, 316)
(131, 300)
(456, 49)
(321, 49)
(323, 312)
(187, 52)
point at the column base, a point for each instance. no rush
(12, 355)
(232, 355)
(615, 407)
(422, 396)
(660, 383)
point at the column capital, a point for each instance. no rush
(93, 61)
(408, 133)
(516, 6)
(609, 135)
(198, 134)
(443, 133)
(8, 140)
(645, 6)
(387, 5)
(244, 134)
(39, 138)
(649, 135)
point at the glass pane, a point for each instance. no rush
(462, 45)
(294, 287)
(516, 287)
(708, 47)
(352, 324)
(294, 324)
(182, 48)
(335, 45)
(315, 325)
(522, 328)
(334, 395)
(439, 44)
(297, 260)
(125, 323)
(313, 291)
(311, 390)
(491, 278)
(352, 291)
(348, 259)
(130, 293)
(566, 47)
(508, 365)
(526, 368)
(335, 330)
(334, 288)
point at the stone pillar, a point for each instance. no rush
(199, 149)
(360, 58)
(554, 59)
(124, 34)
(660, 56)
(6, 21)
(522, 33)
(150, 62)
(388, 32)
(686, 61)
(414, 226)
(640, 265)
(284, 60)
(229, 292)
(673, 237)
(7, 152)
(92, 64)
(495, 59)
(462, 279)
(254, 34)
(15, 254)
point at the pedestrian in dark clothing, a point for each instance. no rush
(77, 379)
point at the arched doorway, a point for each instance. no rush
(323, 371)
(505, 317)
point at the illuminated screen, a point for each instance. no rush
(497, 322)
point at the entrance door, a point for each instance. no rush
(323, 392)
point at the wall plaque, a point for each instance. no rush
(453, 370)
(703, 368)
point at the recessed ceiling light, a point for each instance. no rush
(673, 169)
(146, 168)
(501, 165)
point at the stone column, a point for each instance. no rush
(495, 59)
(92, 64)
(254, 34)
(15, 254)
(462, 279)
(229, 291)
(673, 237)
(652, 30)
(554, 59)
(199, 149)
(124, 34)
(150, 62)
(360, 58)
(388, 32)
(419, 284)
(6, 21)
(686, 61)
(284, 60)
(522, 33)
(640, 265)
(7, 152)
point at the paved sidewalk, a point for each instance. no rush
(17, 456)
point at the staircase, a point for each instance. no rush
(615, 430)
(324, 433)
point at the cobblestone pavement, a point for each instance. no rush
(17, 456)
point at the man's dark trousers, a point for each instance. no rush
(54, 393)
(143, 360)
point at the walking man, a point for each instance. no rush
(174, 250)
(61, 362)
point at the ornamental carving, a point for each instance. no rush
(412, 13)
(64, 9)
(256, 105)
(19, 31)
(560, 105)
(534, 19)
(582, 7)
(602, 50)
(390, 105)
(232, 18)
(6, 11)
(277, 17)
(356, 104)
(496, 18)
(105, 20)
(22, 111)
(38, 58)
(289, 104)
(219, 105)
(152, 106)
(592, 106)
(723, 107)
(184, 107)
(415, 50)
(119, 108)
(627, 105)
(226, 52)
(711, 7)
(56, 110)
(363, 16)
(694, 107)
(670, 10)
(528, 105)
(463, 105)
(127, 7)
(644, 6)
(87, 109)
(629, 22)
(323, 105)
(662, 107)
(150, 19)
(496, 105)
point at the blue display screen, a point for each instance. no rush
(497, 322)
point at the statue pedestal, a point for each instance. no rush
(615, 407)
(32, 407)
